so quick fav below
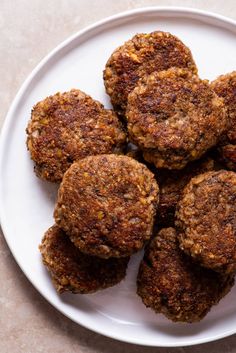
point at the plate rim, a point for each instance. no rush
(187, 12)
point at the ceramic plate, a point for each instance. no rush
(26, 203)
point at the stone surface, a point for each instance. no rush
(29, 30)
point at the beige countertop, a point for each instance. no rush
(29, 30)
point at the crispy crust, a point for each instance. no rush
(206, 219)
(169, 282)
(225, 87)
(172, 183)
(174, 117)
(74, 271)
(69, 126)
(107, 205)
(141, 55)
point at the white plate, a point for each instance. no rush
(26, 203)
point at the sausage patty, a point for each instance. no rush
(174, 117)
(142, 55)
(74, 271)
(206, 219)
(169, 282)
(106, 204)
(69, 126)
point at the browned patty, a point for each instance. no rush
(142, 55)
(206, 219)
(74, 271)
(69, 126)
(172, 183)
(169, 282)
(107, 204)
(225, 87)
(174, 117)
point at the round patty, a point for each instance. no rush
(74, 271)
(174, 117)
(172, 183)
(142, 55)
(206, 219)
(106, 204)
(69, 126)
(225, 87)
(169, 282)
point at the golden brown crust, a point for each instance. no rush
(74, 271)
(107, 204)
(169, 282)
(206, 220)
(69, 126)
(225, 87)
(141, 55)
(172, 183)
(174, 117)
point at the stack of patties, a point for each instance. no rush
(169, 123)
(104, 213)
(189, 268)
(175, 119)
(99, 198)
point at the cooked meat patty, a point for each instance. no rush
(172, 183)
(206, 219)
(74, 271)
(69, 126)
(107, 204)
(225, 86)
(142, 55)
(174, 117)
(169, 282)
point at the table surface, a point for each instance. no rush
(29, 30)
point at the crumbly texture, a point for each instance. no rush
(172, 183)
(107, 205)
(74, 271)
(169, 282)
(142, 55)
(69, 126)
(206, 220)
(225, 87)
(174, 117)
